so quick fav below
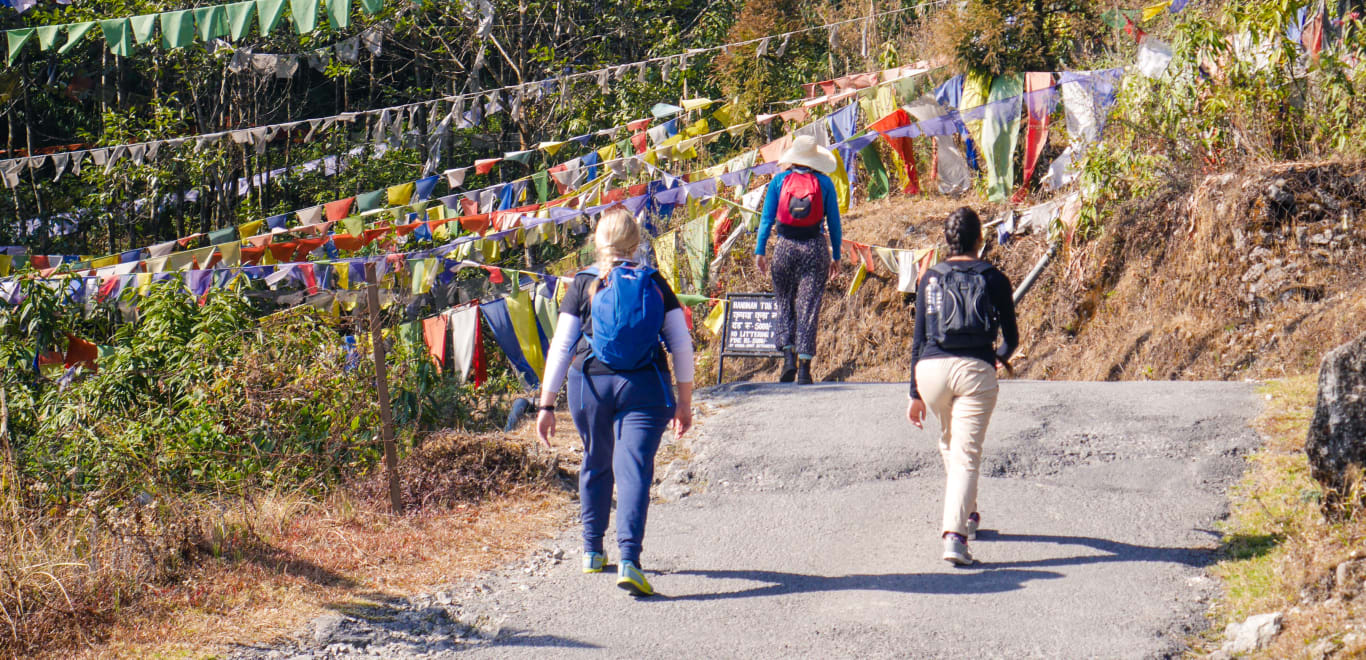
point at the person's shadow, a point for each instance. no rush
(980, 578)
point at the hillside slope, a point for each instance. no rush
(1242, 275)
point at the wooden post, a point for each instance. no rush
(382, 389)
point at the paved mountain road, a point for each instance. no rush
(812, 531)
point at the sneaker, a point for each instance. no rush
(633, 580)
(956, 550)
(593, 562)
(974, 521)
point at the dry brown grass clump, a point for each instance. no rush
(192, 573)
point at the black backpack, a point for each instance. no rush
(964, 315)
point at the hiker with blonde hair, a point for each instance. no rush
(607, 341)
(799, 203)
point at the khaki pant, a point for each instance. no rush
(961, 394)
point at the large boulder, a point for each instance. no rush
(1336, 445)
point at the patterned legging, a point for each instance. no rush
(800, 270)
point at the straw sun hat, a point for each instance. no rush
(806, 153)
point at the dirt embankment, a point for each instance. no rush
(1245, 275)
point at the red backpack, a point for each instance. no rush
(799, 200)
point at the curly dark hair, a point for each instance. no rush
(963, 232)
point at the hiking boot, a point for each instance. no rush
(956, 550)
(804, 372)
(974, 521)
(789, 372)
(593, 562)
(633, 580)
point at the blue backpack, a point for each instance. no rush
(628, 317)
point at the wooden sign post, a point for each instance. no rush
(386, 417)
(750, 330)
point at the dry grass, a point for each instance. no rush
(1281, 554)
(202, 574)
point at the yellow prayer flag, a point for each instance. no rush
(607, 153)
(342, 273)
(685, 150)
(144, 283)
(699, 127)
(717, 318)
(523, 314)
(840, 177)
(232, 254)
(550, 147)
(725, 114)
(6, 262)
(1151, 12)
(401, 194)
(105, 261)
(666, 257)
(859, 277)
(696, 104)
(249, 229)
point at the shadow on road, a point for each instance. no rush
(779, 584)
(1115, 552)
(994, 577)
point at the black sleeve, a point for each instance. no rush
(918, 341)
(1002, 297)
(670, 298)
(575, 294)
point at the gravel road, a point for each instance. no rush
(807, 525)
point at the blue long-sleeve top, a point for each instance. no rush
(770, 214)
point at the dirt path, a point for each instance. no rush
(810, 530)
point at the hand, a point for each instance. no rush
(915, 413)
(834, 269)
(762, 261)
(1005, 364)
(682, 421)
(545, 427)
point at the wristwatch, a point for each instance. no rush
(550, 408)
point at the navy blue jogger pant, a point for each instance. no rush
(621, 418)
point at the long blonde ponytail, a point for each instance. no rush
(617, 238)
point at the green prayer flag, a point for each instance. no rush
(625, 148)
(697, 245)
(211, 22)
(523, 157)
(1000, 137)
(47, 36)
(353, 225)
(339, 14)
(541, 182)
(223, 236)
(118, 34)
(239, 18)
(371, 200)
(372, 6)
(690, 299)
(143, 27)
(17, 39)
(878, 186)
(177, 28)
(305, 15)
(74, 33)
(268, 14)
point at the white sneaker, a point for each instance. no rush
(974, 521)
(956, 551)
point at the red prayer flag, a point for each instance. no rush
(1036, 134)
(475, 224)
(495, 274)
(638, 125)
(480, 369)
(339, 209)
(347, 242)
(901, 145)
(434, 334)
(283, 251)
(80, 351)
(485, 165)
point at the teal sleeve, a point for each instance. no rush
(770, 214)
(832, 215)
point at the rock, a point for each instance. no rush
(1254, 633)
(1336, 444)
(1322, 649)
(1348, 577)
(326, 627)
